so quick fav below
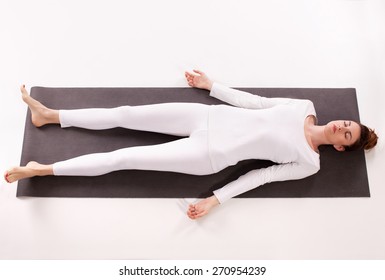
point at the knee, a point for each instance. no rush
(122, 159)
(123, 113)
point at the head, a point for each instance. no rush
(346, 135)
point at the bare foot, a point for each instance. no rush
(32, 169)
(41, 115)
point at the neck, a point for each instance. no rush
(317, 136)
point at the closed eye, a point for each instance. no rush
(348, 135)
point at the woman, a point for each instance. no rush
(282, 130)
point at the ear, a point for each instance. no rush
(339, 148)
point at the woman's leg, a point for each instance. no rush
(188, 155)
(180, 119)
(173, 118)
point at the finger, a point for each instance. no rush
(190, 74)
(191, 216)
(201, 214)
(198, 72)
(199, 210)
(192, 210)
(6, 177)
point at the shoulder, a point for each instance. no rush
(303, 102)
(308, 106)
(300, 102)
(312, 163)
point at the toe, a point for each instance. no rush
(23, 90)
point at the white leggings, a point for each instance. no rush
(188, 155)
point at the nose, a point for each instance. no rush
(342, 128)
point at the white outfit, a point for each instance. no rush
(188, 155)
(270, 129)
(218, 136)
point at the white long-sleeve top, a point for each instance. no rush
(259, 128)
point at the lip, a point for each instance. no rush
(334, 128)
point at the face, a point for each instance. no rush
(342, 133)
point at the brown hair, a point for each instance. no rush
(368, 139)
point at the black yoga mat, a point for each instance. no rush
(341, 175)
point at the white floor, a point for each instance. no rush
(150, 43)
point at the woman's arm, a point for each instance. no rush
(244, 99)
(258, 177)
(249, 181)
(232, 96)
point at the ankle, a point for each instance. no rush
(53, 116)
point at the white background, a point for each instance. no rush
(147, 43)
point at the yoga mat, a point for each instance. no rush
(341, 175)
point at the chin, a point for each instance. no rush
(329, 129)
(329, 132)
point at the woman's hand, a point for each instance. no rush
(202, 208)
(198, 80)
